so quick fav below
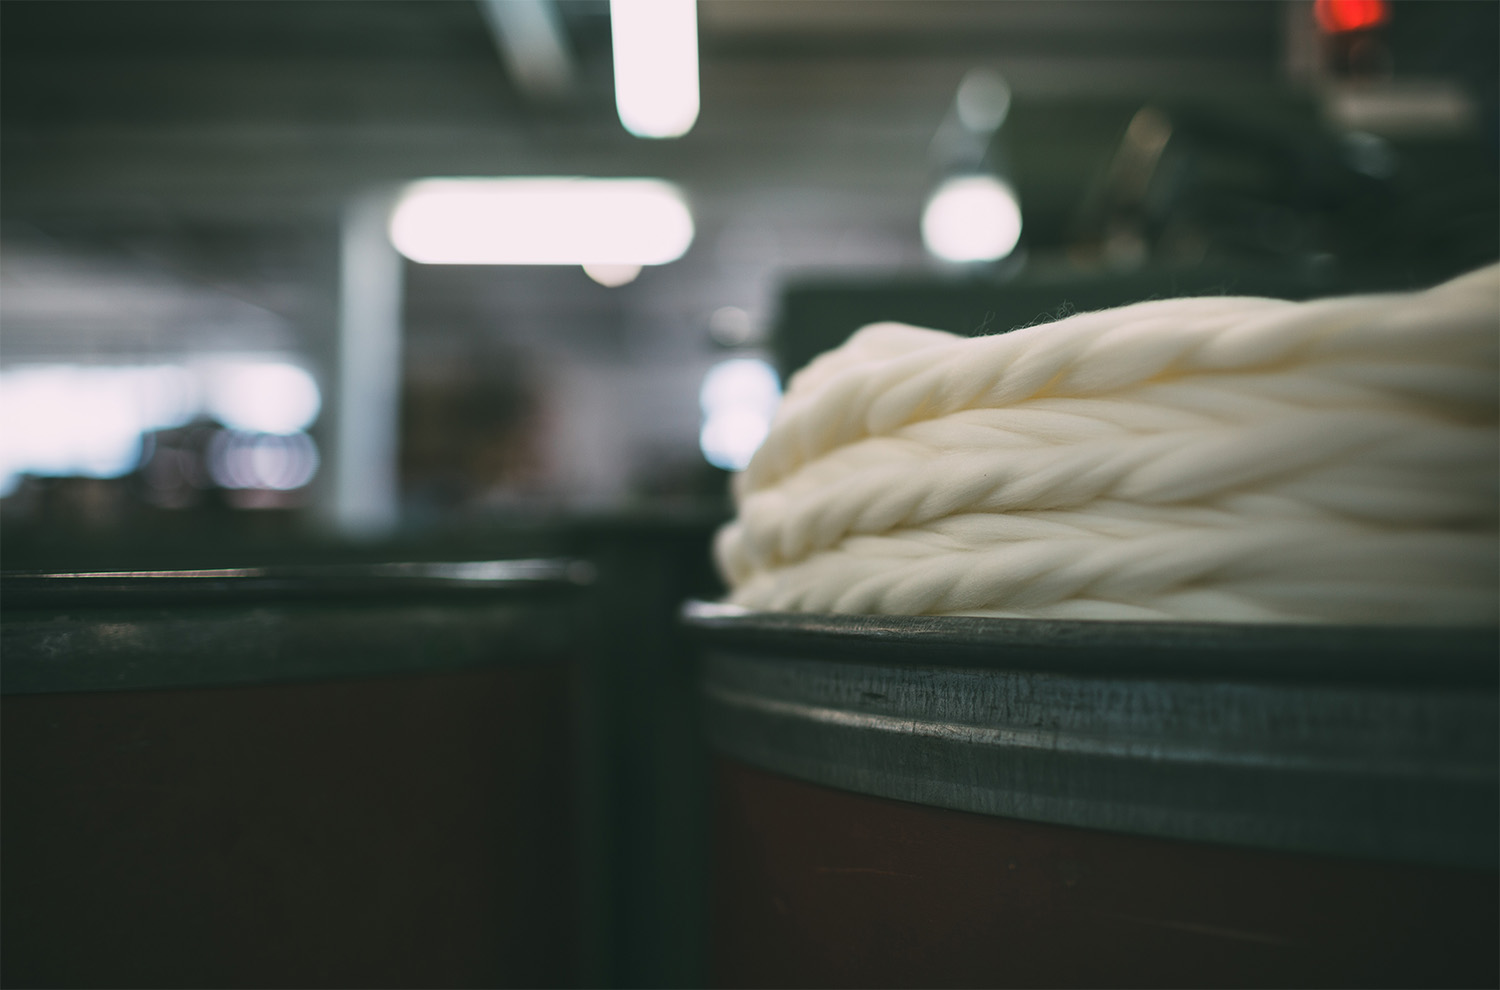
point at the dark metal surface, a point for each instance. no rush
(52, 590)
(413, 831)
(817, 887)
(1355, 742)
(141, 630)
(1459, 656)
(356, 776)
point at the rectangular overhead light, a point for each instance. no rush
(656, 65)
(542, 221)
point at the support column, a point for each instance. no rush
(365, 502)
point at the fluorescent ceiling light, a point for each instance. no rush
(972, 218)
(542, 221)
(656, 65)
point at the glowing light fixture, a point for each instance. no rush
(972, 218)
(738, 398)
(90, 421)
(270, 461)
(612, 275)
(262, 397)
(1338, 16)
(983, 101)
(542, 221)
(70, 420)
(656, 65)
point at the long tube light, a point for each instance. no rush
(542, 221)
(656, 65)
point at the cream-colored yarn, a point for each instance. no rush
(1215, 458)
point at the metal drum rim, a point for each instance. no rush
(1363, 743)
(43, 590)
(1417, 655)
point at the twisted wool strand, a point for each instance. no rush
(1211, 459)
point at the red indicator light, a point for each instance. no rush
(1338, 16)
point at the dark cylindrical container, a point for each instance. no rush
(314, 777)
(982, 802)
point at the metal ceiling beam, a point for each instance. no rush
(534, 45)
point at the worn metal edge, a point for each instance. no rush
(237, 585)
(1435, 815)
(46, 652)
(1192, 650)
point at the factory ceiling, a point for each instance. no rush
(232, 109)
(214, 143)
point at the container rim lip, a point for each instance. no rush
(233, 585)
(1417, 656)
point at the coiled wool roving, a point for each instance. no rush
(1223, 458)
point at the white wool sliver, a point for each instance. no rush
(1222, 459)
